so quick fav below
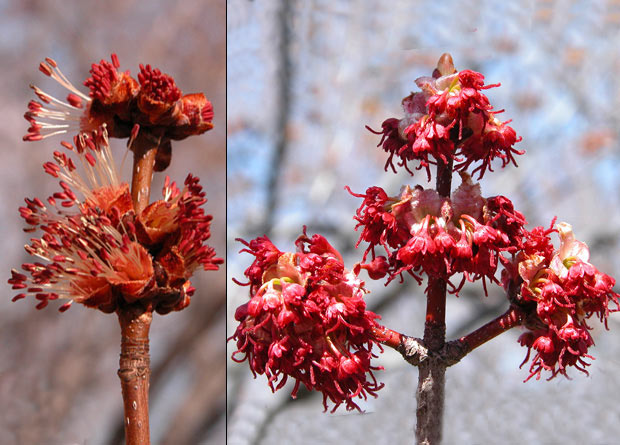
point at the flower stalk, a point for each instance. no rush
(145, 148)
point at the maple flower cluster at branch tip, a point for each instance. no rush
(307, 319)
(564, 291)
(450, 119)
(152, 104)
(97, 251)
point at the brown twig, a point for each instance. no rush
(134, 372)
(135, 320)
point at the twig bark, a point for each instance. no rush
(514, 316)
(135, 320)
(134, 372)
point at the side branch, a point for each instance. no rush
(514, 316)
(416, 351)
(388, 337)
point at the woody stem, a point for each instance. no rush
(145, 149)
(135, 320)
(514, 316)
(134, 372)
(388, 337)
(431, 377)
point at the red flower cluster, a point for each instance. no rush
(422, 231)
(97, 251)
(566, 290)
(152, 104)
(307, 319)
(450, 119)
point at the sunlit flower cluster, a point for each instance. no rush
(449, 120)
(307, 319)
(567, 290)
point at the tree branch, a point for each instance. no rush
(514, 316)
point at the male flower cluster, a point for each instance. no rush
(306, 319)
(97, 251)
(422, 231)
(566, 290)
(152, 104)
(450, 119)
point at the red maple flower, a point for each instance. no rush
(423, 232)
(450, 119)
(566, 291)
(97, 251)
(159, 96)
(306, 319)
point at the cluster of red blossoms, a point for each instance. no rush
(450, 119)
(422, 231)
(153, 104)
(566, 291)
(98, 252)
(307, 319)
(450, 122)
(96, 248)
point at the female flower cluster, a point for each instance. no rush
(423, 232)
(307, 319)
(566, 290)
(450, 119)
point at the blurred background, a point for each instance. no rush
(58, 382)
(305, 77)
